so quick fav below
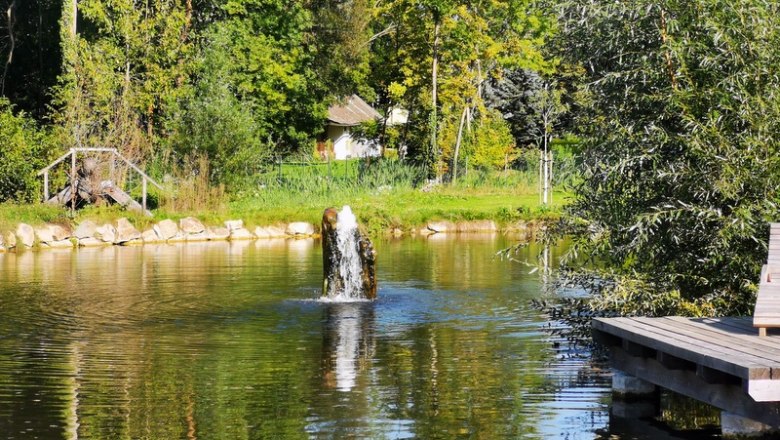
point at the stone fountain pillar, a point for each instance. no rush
(335, 259)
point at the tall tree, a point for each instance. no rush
(467, 43)
(681, 155)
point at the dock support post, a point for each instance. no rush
(633, 398)
(627, 387)
(736, 427)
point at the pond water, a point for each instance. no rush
(228, 341)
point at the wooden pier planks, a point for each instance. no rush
(699, 342)
(720, 361)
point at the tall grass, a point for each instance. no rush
(188, 188)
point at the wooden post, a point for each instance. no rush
(72, 182)
(144, 194)
(111, 165)
(45, 186)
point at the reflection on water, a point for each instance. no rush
(348, 342)
(226, 340)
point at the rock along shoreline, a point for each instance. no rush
(189, 229)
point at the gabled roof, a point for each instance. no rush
(351, 111)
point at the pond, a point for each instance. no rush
(228, 341)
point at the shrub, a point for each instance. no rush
(24, 151)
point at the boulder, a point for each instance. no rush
(149, 236)
(9, 240)
(276, 231)
(166, 229)
(218, 233)
(241, 234)
(106, 233)
(180, 237)
(61, 233)
(44, 234)
(198, 236)
(85, 229)
(126, 232)
(261, 232)
(441, 226)
(92, 242)
(233, 225)
(67, 243)
(26, 234)
(191, 225)
(300, 228)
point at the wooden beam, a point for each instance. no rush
(725, 396)
(639, 350)
(143, 197)
(674, 362)
(605, 339)
(46, 186)
(60, 159)
(73, 183)
(712, 376)
(138, 170)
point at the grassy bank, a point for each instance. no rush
(403, 209)
(384, 200)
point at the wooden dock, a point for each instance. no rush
(719, 361)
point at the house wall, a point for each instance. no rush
(345, 146)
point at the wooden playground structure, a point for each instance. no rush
(85, 185)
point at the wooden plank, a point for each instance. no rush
(58, 160)
(716, 341)
(681, 347)
(742, 331)
(727, 351)
(747, 344)
(711, 376)
(675, 363)
(728, 397)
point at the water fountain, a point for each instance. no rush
(348, 257)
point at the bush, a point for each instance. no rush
(24, 151)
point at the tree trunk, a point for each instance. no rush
(74, 7)
(454, 177)
(10, 16)
(432, 157)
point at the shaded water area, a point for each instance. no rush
(228, 341)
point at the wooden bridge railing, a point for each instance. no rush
(73, 153)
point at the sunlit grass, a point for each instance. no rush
(389, 196)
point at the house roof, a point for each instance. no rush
(351, 111)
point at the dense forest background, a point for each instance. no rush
(672, 109)
(238, 82)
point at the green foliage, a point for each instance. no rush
(679, 124)
(493, 143)
(478, 40)
(215, 124)
(271, 67)
(24, 151)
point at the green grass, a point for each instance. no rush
(403, 208)
(11, 214)
(383, 198)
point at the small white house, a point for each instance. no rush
(342, 118)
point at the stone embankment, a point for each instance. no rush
(122, 232)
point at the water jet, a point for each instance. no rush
(348, 258)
